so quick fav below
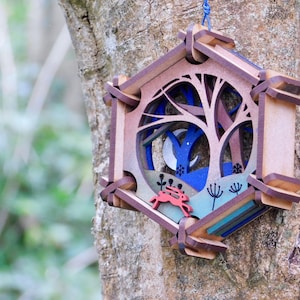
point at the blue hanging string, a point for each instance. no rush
(206, 10)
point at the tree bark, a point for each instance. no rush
(135, 261)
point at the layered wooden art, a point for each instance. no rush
(202, 141)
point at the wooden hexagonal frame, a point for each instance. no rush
(180, 109)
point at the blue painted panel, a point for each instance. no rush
(237, 220)
(244, 222)
(149, 157)
(232, 216)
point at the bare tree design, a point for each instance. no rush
(203, 105)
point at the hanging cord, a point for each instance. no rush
(206, 10)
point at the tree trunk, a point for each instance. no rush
(135, 261)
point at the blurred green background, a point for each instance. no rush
(46, 201)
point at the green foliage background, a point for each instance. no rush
(46, 203)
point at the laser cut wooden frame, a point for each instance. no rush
(270, 183)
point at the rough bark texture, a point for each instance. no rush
(121, 37)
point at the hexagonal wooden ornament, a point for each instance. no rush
(202, 141)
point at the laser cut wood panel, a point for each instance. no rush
(195, 145)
